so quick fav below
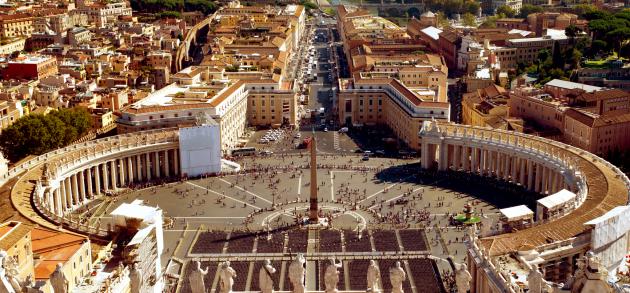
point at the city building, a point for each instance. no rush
(51, 248)
(202, 91)
(31, 67)
(488, 107)
(386, 101)
(10, 111)
(15, 25)
(589, 117)
(101, 13)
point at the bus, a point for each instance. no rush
(248, 151)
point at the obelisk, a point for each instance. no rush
(313, 211)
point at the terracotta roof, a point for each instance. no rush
(603, 95)
(605, 191)
(53, 247)
(12, 232)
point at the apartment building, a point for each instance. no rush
(201, 92)
(32, 67)
(15, 25)
(488, 107)
(527, 48)
(10, 111)
(589, 117)
(603, 125)
(37, 251)
(101, 13)
(386, 101)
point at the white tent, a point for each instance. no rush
(517, 213)
(557, 199)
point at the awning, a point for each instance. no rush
(557, 199)
(516, 213)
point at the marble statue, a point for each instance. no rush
(462, 279)
(331, 276)
(197, 284)
(135, 279)
(226, 277)
(594, 278)
(10, 271)
(5, 284)
(58, 280)
(397, 276)
(535, 281)
(264, 277)
(296, 273)
(373, 276)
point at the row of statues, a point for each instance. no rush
(297, 274)
(10, 281)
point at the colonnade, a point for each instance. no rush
(537, 166)
(503, 163)
(85, 183)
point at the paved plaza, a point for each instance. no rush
(236, 217)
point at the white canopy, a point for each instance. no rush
(559, 198)
(517, 213)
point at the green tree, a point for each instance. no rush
(308, 5)
(506, 10)
(528, 9)
(468, 19)
(442, 21)
(556, 56)
(542, 56)
(572, 32)
(618, 37)
(36, 134)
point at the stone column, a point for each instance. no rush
(176, 161)
(90, 191)
(148, 168)
(443, 160)
(75, 189)
(113, 166)
(105, 176)
(157, 164)
(530, 175)
(121, 171)
(465, 158)
(58, 202)
(538, 178)
(68, 192)
(129, 170)
(482, 161)
(424, 149)
(167, 166)
(139, 168)
(97, 179)
(456, 157)
(514, 169)
(81, 186)
(522, 162)
(474, 162)
(553, 181)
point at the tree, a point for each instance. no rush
(618, 37)
(528, 9)
(442, 21)
(505, 10)
(572, 31)
(37, 134)
(556, 56)
(308, 5)
(542, 56)
(469, 20)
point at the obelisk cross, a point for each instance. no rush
(313, 211)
